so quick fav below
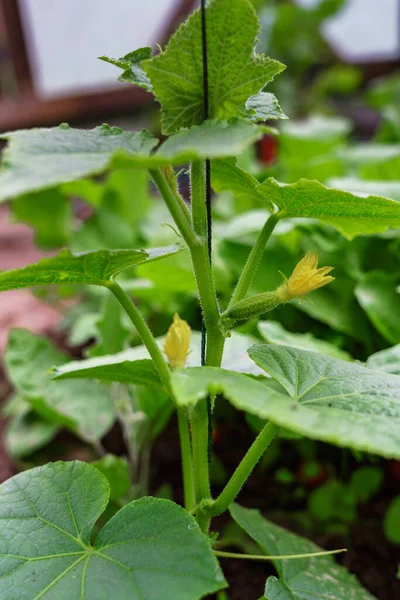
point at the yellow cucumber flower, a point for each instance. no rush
(177, 343)
(306, 277)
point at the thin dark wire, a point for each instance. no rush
(208, 202)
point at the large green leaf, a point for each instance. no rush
(83, 406)
(134, 366)
(350, 214)
(235, 72)
(336, 401)
(378, 296)
(95, 268)
(42, 158)
(37, 159)
(315, 578)
(327, 399)
(151, 548)
(273, 332)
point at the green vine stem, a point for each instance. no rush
(253, 261)
(187, 462)
(175, 207)
(145, 334)
(244, 469)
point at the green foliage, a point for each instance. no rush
(303, 578)
(82, 406)
(235, 73)
(28, 432)
(391, 522)
(132, 71)
(327, 399)
(274, 333)
(349, 213)
(93, 268)
(378, 296)
(116, 471)
(37, 159)
(151, 544)
(48, 213)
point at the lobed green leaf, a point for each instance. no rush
(235, 72)
(47, 517)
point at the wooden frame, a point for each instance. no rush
(27, 110)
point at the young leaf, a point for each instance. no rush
(327, 399)
(47, 517)
(235, 72)
(301, 579)
(264, 107)
(82, 406)
(350, 214)
(27, 433)
(274, 333)
(37, 159)
(130, 64)
(378, 296)
(95, 268)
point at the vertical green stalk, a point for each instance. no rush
(187, 463)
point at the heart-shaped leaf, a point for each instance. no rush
(301, 579)
(150, 547)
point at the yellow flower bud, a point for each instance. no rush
(305, 278)
(177, 343)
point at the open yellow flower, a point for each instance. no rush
(305, 278)
(177, 343)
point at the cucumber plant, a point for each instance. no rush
(210, 85)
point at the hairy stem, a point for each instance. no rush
(253, 261)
